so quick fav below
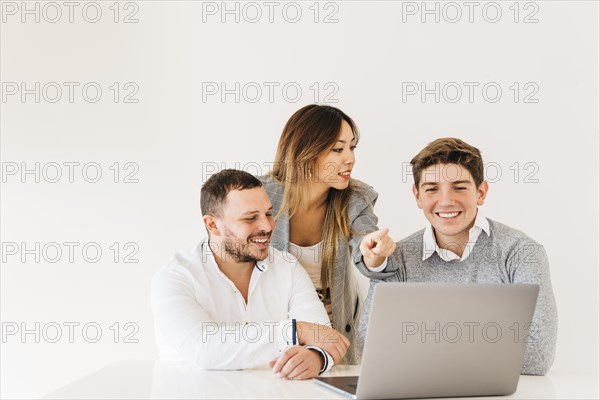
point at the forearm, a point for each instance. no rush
(193, 330)
(533, 268)
(392, 269)
(541, 342)
(241, 345)
(363, 222)
(539, 353)
(236, 346)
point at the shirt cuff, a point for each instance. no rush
(327, 359)
(380, 268)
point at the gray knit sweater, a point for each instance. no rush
(505, 256)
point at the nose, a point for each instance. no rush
(266, 223)
(447, 198)
(350, 159)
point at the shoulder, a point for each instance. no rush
(416, 237)
(505, 234)
(515, 244)
(411, 245)
(269, 183)
(362, 193)
(274, 189)
(182, 268)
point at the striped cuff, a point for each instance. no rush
(327, 359)
(294, 333)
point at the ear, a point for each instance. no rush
(210, 222)
(417, 196)
(482, 192)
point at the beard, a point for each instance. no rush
(239, 250)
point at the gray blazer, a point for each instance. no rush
(345, 301)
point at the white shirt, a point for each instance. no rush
(430, 245)
(200, 316)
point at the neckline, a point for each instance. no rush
(307, 247)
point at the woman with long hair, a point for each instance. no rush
(324, 217)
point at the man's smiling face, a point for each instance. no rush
(449, 198)
(247, 224)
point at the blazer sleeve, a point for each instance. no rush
(364, 221)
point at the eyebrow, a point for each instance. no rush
(454, 183)
(255, 212)
(343, 141)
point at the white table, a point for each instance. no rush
(160, 380)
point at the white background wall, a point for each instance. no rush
(367, 55)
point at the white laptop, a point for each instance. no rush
(442, 340)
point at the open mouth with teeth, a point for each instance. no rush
(448, 215)
(262, 242)
(345, 174)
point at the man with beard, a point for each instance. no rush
(234, 302)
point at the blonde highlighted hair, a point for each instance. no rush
(309, 133)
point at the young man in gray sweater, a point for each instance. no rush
(460, 245)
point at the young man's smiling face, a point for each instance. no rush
(448, 196)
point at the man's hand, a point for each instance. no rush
(324, 337)
(298, 362)
(376, 247)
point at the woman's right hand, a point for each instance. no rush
(376, 247)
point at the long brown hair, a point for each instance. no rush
(308, 134)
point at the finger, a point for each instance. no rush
(346, 341)
(371, 239)
(376, 237)
(342, 344)
(382, 233)
(366, 251)
(300, 370)
(391, 249)
(365, 244)
(272, 363)
(333, 351)
(337, 354)
(291, 365)
(388, 246)
(377, 249)
(340, 350)
(308, 374)
(283, 359)
(336, 350)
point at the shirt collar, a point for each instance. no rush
(482, 222)
(430, 245)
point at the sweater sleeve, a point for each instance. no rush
(528, 263)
